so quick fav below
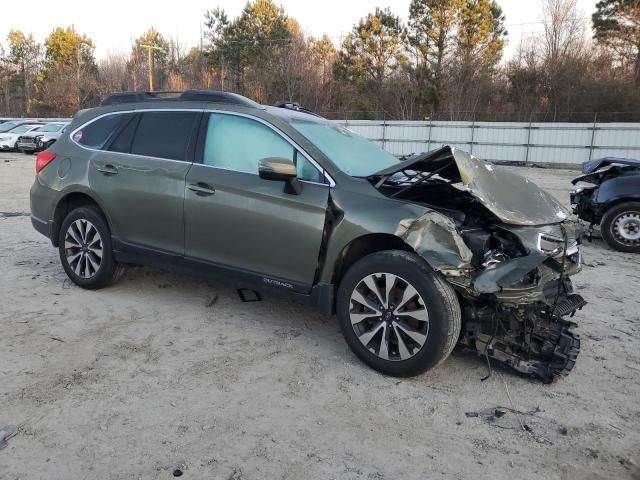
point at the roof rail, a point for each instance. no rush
(216, 96)
(132, 97)
(295, 106)
(212, 96)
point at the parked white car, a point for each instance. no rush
(41, 138)
(9, 140)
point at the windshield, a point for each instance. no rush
(21, 129)
(8, 125)
(51, 127)
(351, 153)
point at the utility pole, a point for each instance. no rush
(150, 49)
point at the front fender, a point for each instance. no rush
(430, 234)
(619, 188)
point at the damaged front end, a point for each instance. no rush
(508, 249)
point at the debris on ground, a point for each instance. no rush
(212, 301)
(6, 432)
(491, 415)
(498, 412)
(14, 214)
(247, 295)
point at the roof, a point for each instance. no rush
(288, 110)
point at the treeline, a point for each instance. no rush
(446, 62)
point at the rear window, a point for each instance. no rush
(164, 134)
(97, 133)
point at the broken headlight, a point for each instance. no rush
(584, 190)
(550, 244)
(554, 247)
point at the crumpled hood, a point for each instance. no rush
(512, 198)
(593, 165)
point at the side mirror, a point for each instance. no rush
(276, 168)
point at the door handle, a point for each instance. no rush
(108, 169)
(202, 189)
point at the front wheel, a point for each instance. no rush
(620, 227)
(85, 249)
(398, 315)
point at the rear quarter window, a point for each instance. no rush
(97, 133)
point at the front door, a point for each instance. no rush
(236, 219)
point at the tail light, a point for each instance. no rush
(43, 159)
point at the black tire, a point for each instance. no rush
(439, 299)
(612, 231)
(108, 270)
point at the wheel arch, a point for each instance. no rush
(68, 202)
(362, 246)
(602, 211)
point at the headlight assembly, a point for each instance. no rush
(550, 244)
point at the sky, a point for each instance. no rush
(114, 24)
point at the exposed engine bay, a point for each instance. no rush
(508, 249)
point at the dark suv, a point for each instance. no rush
(413, 255)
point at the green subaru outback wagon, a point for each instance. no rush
(413, 255)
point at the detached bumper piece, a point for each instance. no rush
(569, 305)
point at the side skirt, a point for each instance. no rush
(319, 296)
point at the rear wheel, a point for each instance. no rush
(397, 314)
(85, 249)
(620, 227)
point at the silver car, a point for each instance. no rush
(9, 139)
(42, 138)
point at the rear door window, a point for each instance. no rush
(123, 140)
(164, 134)
(97, 133)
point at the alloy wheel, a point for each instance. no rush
(389, 316)
(83, 248)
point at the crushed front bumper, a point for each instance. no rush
(516, 311)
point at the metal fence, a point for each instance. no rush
(527, 143)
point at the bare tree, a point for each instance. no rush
(113, 74)
(563, 52)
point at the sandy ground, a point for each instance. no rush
(143, 378)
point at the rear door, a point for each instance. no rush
(139, 174)
(235, 218)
